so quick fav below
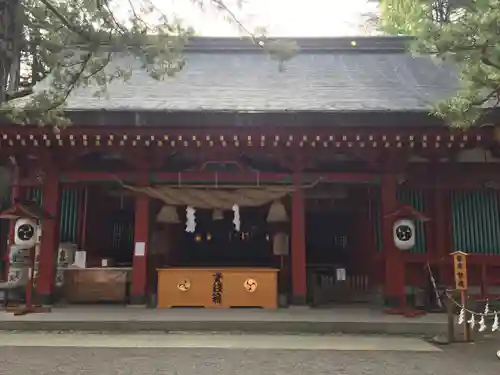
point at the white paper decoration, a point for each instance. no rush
(482, 318)
(461, 316)
(472, 321)
(26, 231)
(404, 234)
(236, 219)
(482, 324)
(190, 219)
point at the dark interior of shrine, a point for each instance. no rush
(330, 239)
(215, 241)
(327, 238)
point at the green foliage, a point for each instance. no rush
(402, 17)
(468, 36)
(281, 51)
(73, 43)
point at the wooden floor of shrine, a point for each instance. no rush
(342, 319)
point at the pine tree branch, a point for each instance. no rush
(19, 94)
(75, 29)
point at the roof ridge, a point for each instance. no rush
(305, 44)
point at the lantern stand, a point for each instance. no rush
(32, 211)
(405, 213)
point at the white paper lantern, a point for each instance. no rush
(26, 231)
(403, 233)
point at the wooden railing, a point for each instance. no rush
(326, 288)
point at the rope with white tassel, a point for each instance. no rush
(482, 317)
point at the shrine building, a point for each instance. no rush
(237, 183)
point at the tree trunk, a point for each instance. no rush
(9, 47)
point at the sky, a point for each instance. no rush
(279, 17)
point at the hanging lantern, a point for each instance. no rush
(168, 215)
(217, 215)
(26, 231)
(277, 213)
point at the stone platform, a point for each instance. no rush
(351, 320)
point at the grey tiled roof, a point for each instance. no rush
(245, 80)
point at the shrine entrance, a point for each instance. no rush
(216, 243)
(337, 247)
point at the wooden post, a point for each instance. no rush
(83, 241)
(442, 229)
(467, 329)
(29, 286)
(141, 239)
(461, 284)
(394, 284)
(51, 201)
(298, 247)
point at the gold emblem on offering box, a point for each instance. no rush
(250, 285)
(184, 285)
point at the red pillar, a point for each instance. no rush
(141, 239)
(51, 202)
(440, 232)
(298, 250)
(16, 194)
(394, 285)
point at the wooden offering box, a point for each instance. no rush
(94, 285)
(241, 287)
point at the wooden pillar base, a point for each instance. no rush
(138, 299)
(393, 302)
(45, 299)
(299, 300)
(24, 310)
(397, 306)
(409, 313)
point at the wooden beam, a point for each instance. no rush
(472, 259)
(191, 138)
(253, 178)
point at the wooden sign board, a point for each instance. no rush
(460, 270)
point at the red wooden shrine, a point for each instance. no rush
(374, 149)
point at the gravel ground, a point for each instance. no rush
(464, 359)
